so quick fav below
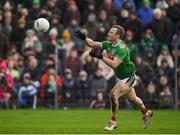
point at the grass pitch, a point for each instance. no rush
(80, 121)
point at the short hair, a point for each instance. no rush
(120, 30)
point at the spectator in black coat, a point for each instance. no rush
(135, 25)
(161, 26)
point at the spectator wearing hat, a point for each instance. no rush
(68, 44)
(82, 86)
(165, 55)
(145, 13)
(36, 9)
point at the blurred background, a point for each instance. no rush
(54, 70)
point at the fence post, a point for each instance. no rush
(56, 70)
(176, 73)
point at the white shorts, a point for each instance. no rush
(130, 81)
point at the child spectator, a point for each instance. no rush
(99, 102)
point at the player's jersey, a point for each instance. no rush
(120, 51)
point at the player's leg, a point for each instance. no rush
(147, 114)
(118, 90)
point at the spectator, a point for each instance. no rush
(108, 6)
(73, 62)
(27, 92)
(57, 24)
(122, 3)
(150, 57)
(152, 96)
(145, 13)
(103, 25)
(14, 73)
(97, 83)
(50, 83)
(135, 25)
(91, 9)
(162, 4)
(91, 26)
(133, 47)
(99, 102)
(144, 68)
(173, 11)
(166, 98)
(69, 85)
(22, 23)
(148, 41)
(68, 43)
(29, 41)
(72, 13)
(161, 27)
(165, 55)
(123, 18)
(167, 70)
(82, 86)
(35, 10)
(52, 8)
(32, 68)
(6, 85)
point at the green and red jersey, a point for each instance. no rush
(120, 51)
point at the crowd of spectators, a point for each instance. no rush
(28, 66)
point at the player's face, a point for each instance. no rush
(112, 34)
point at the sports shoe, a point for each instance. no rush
(147, 118)
(111, 125)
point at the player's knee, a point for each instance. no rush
(112, 95)
(132, 99)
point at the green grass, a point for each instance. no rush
(85, 121)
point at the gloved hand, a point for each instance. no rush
(96, 52)
(79, 35)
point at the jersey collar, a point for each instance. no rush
(117, 43)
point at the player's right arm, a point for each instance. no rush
(89, 42)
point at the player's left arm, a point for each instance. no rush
(112, 63)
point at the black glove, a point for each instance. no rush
(79, 35)
(96, 52)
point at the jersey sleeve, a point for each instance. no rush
(104, 45)
(121, 54)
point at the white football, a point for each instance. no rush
(41, 25)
